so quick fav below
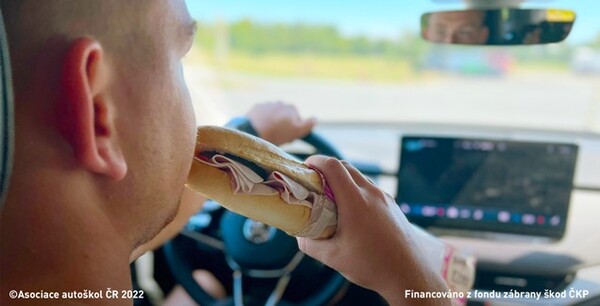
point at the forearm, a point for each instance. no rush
(396, 287)
(403, 293)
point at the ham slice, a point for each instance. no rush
(245, 181)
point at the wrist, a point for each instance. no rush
(413, 276)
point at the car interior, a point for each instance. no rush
(481, 118)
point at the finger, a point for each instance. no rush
(317, 249)
(336, 175)
(304, 127)
(346, 192)
(312, 121)
(357, 176)
(209, 283)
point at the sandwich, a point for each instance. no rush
(256, 179)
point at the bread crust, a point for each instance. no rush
(260, 152)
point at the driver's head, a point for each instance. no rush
(458, 27)
(104, 125)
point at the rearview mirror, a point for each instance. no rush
(506, 26)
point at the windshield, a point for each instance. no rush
(358, 62)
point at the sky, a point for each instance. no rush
(382, 18)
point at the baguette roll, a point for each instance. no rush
(256, 179)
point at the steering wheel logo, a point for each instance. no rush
(258, 232)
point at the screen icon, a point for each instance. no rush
(452, 212)
(465, 213)
(428, 211)
(528, 219)
(478, 214)
(441, 212)
(504, 216)
(541, 220)
(405, 208)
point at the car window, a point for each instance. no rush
(358, 62)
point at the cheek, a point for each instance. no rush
(187, 113)
(187, 106)
(160, 130)
(183, 124)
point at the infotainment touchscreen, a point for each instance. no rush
(487, 185)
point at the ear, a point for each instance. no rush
(86, 115)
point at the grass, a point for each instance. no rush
(354, 68)
(351, 68)
(542, 66)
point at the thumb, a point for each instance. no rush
(317, 249)
(307, 125)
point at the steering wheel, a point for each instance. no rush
(253, 251)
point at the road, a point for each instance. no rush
(542, 101)
(546, 101)
(554, 101)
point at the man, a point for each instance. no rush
(100, 105)
(104, 142)
(457, 27)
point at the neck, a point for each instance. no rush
(59, 241)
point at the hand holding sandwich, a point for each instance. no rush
(350, 224)
(374, 245)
